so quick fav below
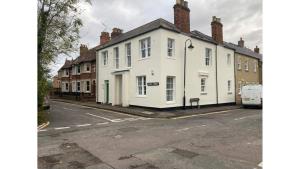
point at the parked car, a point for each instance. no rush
(252, 95)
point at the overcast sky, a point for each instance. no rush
(240, 18)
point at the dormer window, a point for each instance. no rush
(78, 69)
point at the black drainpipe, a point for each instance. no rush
(217, 91)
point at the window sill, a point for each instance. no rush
(171, 57)
(203, 93)
(141, 96)
(146, 58)
(170, 102)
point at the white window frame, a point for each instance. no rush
(170, 47)
(228, 59)
(145, 46)
(170, 89)
(229, 86)
(78, 68)
(128, 54)
(104, 56)
(87, 65)
(87, 86)
(240, 87)
(141, 83)
(203, 85)
(117, 57)
(255, 67)
(239, 64)
(67, 86)
(247, 66)
(208, 57)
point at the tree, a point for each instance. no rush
(58, 33)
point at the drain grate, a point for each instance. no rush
(185, 153)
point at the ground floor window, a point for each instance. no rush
(78, 86)
(67, 86)
(229, 85)
(170, 88)
(240, 87)
(203, 85)
(87, 86)
(141, 85)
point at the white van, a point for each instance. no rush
(251, 95)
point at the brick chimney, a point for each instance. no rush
(241, 42)
(83, 49)
(116, 32)
(104, 38)
(217, 29)
(182, 16)
(256, 49)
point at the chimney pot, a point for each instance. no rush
(182, 16)
(256, 49)
(217, 29)
(241, 42)
(116, 32)
(104, 38)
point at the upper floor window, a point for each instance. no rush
(171, 45)
(141, 85)
(104, 57)
(170, 88)
(128, 54)
(87, 67)
(239, 64)
(228, 59)
(247, 65)
(145, 45)
(208, 55)
(66, 72)
(203, 85)
(117, 58)
(78, 69)
(255, 66)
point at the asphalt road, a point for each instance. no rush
(223, 140)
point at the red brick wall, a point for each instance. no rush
(182, 18)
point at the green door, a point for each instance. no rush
(106, 82)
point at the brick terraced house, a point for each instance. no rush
(79, 76)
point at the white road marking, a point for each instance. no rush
(217, 112)
(184, 129)
(83, 125)
(68, 109)
(102, 123)
(42, 130)
(111, 120)
(61, 128)
(97, 109)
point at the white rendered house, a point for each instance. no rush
(145, 66)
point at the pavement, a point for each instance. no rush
(154, 113)
(83, 137)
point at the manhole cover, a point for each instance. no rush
(185, 153)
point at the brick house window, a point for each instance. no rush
(247, 65)
(78, 86)
(117, 58)
(239, 64)
(208, 55)
(145, 47)
(255, 67)
(87, 68)
(78, 69)
(141, 86)
(67, 86)
(170, 88)
(171, 45)
(128, 54)
(87, 86)
(105, 57)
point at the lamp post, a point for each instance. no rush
(184, 71)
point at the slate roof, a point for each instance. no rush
(244, 51)
(156, 24)
(68, 64)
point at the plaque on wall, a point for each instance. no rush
(153, 84)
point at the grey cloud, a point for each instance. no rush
(239, 18)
